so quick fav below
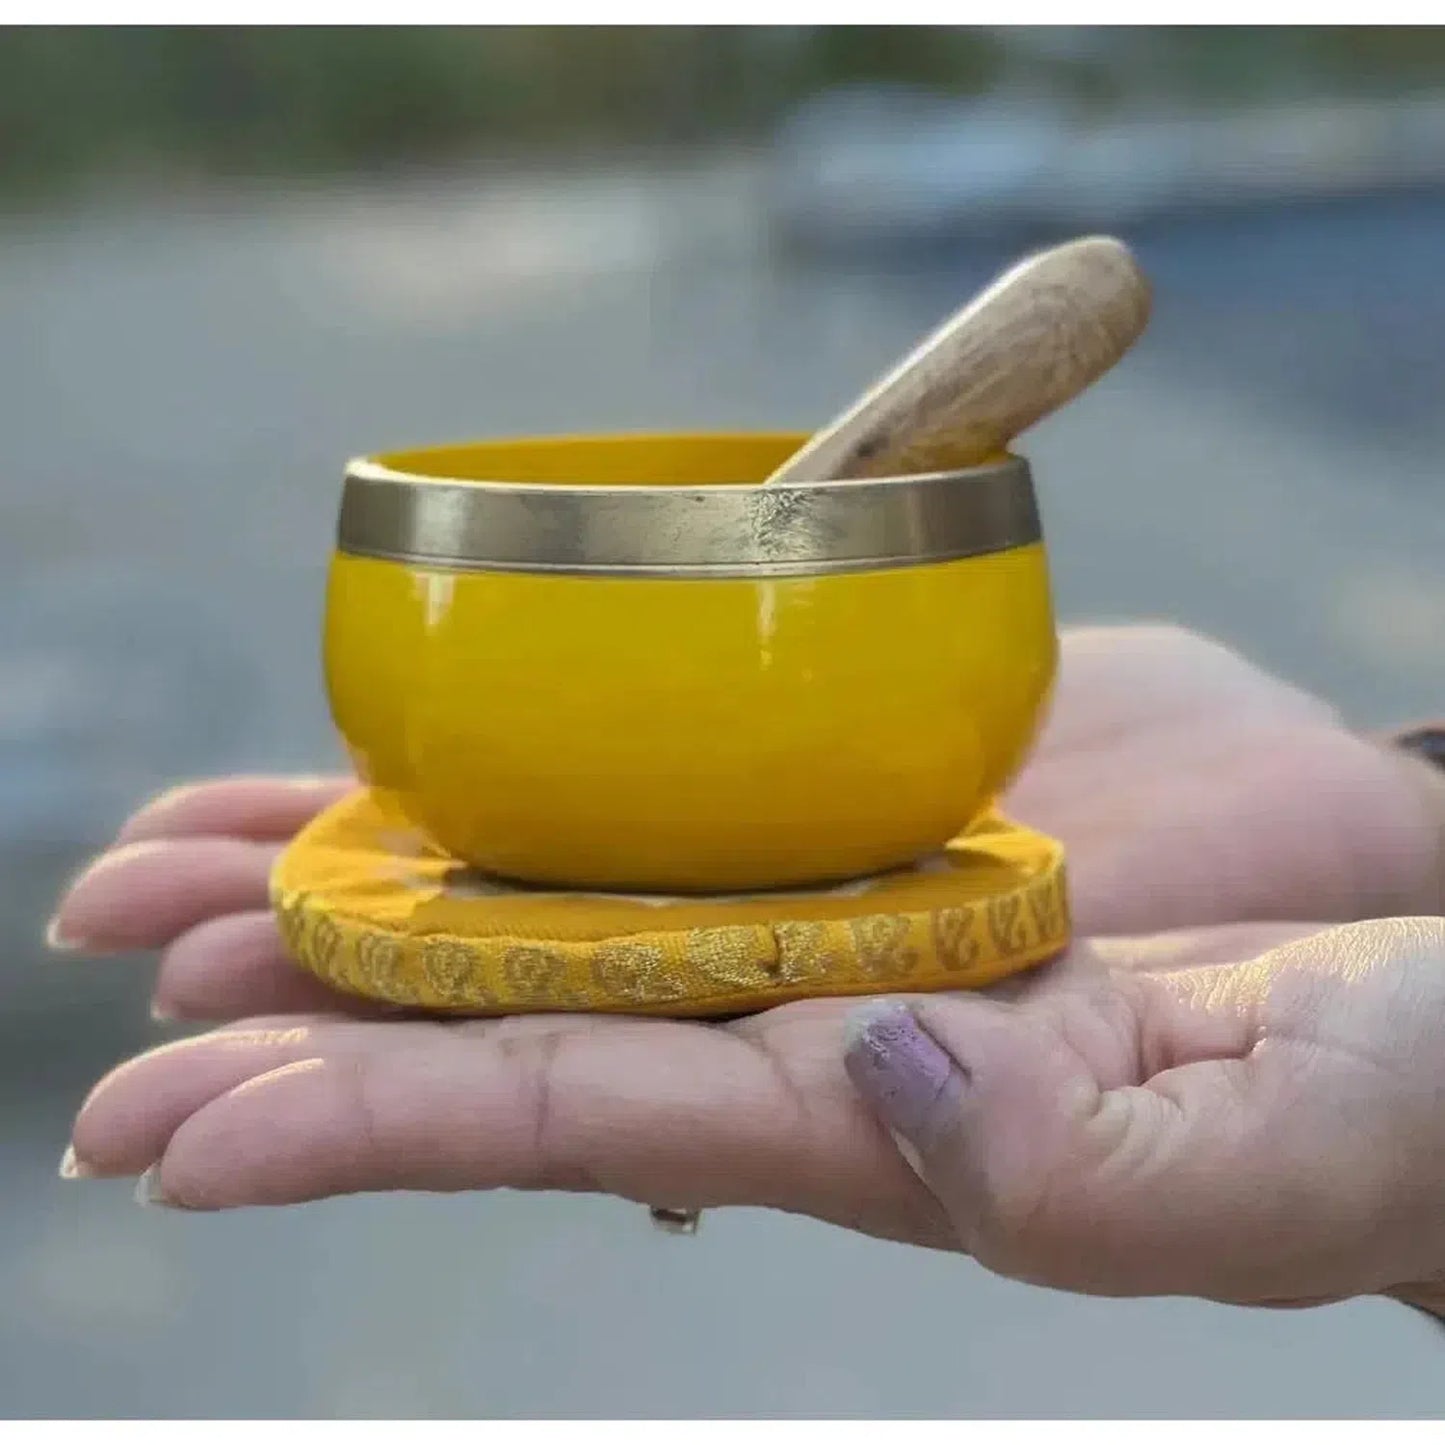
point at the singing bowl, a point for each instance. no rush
(616, 663)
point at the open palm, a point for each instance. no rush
(1191, 790)
(1189, 787)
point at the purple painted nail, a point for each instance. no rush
(901, 1070)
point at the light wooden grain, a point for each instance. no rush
(1041, 334)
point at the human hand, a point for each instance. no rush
(1264, 1131)
(1190, 787)
(1242, 1113)
(195, 887)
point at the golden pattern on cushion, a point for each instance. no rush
(363, 902)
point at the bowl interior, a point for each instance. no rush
(643, 460)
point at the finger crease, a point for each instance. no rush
(538, 1057)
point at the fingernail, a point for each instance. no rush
(57, 941)
(57, 937)
(160, 1014)
(902, 1072)
(148, 1189)
(71, 1167)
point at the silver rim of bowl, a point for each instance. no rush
(686, 531)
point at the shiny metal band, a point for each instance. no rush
(676, 1221)
(685, 531)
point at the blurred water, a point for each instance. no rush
(179, 389)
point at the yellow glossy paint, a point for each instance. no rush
(685, 734)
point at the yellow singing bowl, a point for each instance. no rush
(611, 663)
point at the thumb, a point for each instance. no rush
(1063, 1160)
(984, 1100)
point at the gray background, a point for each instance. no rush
(179, 387)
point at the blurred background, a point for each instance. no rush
(230, 259)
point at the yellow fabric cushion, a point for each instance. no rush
(365, 903)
